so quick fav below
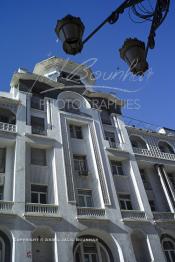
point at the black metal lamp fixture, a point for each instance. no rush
(70, 31)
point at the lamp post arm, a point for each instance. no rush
(113, 17)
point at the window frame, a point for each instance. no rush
(168, 251)
(2, 193)
(80, 162)
(74, 132)
(122, 199)
(118, 167)
(85, 194)
(44, 163)
(39, 193)
(110, 138)
(3, 151)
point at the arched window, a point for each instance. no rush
(5, 248)
(6, 116)
(169, 249)
(91, 249)
(137, 142)
(140, 247)
(165, 147)
(2, 250)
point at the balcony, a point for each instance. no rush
(164, 216)
(133, 215)
(6, 207)
(7, 127)
(156, 154)
(38, 131)
(91, 213)
(43, 210)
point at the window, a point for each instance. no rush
(169, 250)
(80, 164)
(117, 168)
(2, 160)
(125, 202)
(152, 205)
(165, 147)
(38, 125)
(1, 192)
(146, 183)
(39, 194)
(110, 136)
(172, 179)
(92, 249)
(2, 250)
(85, 198)
(38, 157)
(76, 131)
(138, 142)
(106, 118)
(37, 103)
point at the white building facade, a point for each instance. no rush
(77, 184)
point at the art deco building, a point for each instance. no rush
(77, 183)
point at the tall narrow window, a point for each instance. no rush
(110, 136)
(39, 194)
(125, 202)
(172, 179)
(152, 205)
(38, 157)
(106, 118)
(38, 125)
(145, 180)
(37, 102)
(85, 198)
(76, 132)
(2, 160)
(117, 168)
(1, 192)
(80, 164)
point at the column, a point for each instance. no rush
(164, 186)
(65, 242)
(171, 189)
(22, 246)
(8, 186)
(155, 248)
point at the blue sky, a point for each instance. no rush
(27, 36)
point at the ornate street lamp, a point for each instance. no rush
(133, 53)
(70, 31)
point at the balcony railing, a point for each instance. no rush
(164, 216)
(133, 215)
(38, 131)
(151, 153)
(6, 206)
(90, 212)
(7, 127)
(41, 209)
